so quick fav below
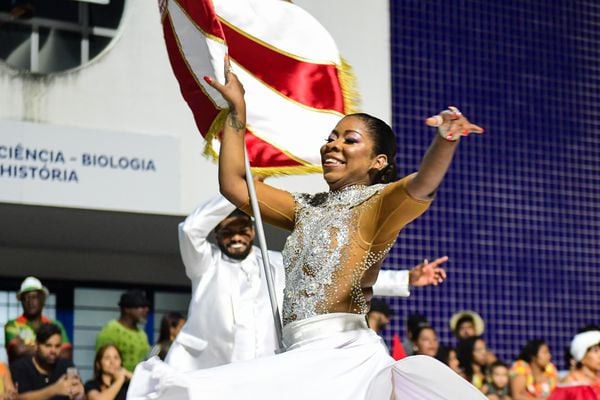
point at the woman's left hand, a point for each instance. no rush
(452, 124)
(233, 90)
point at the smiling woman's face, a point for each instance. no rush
(348, 157)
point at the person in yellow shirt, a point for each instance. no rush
(124, 332)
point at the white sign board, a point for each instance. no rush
(84, 168)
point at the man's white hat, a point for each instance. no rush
(477, 321)
(30, 284)
(582, 342)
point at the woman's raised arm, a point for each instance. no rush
(277, 206)
(232, 175)
(437, 160)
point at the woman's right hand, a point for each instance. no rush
(121, 374)
(63, 386)
(452, 124)
(232, 91)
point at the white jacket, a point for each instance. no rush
(229, 317)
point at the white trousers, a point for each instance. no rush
(331, 356)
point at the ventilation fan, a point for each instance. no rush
(59, 34)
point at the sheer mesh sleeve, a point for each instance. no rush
(394, 209)
(277, 207)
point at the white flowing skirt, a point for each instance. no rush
(332, 356)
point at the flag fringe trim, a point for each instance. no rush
(276, 171)
(216, 126)
(349, 85)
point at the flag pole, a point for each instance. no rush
(263, 249)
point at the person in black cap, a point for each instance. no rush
(379, 315)
(124, 333)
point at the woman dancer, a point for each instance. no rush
(332, 259)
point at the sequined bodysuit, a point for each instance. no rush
(336, 237)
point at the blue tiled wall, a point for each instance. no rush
(519, 212)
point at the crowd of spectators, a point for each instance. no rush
(40, 353)
(531, 375)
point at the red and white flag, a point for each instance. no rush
(297, 85)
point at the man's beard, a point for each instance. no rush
(44, 363)
(237, 256)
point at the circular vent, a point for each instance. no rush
(46, 36)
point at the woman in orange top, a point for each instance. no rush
(533, 376)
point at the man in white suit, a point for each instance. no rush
(230, 317)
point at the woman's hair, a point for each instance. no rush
(168, 321)
(384, 143)
(464, 353)
(569, 360)
(420, 329)
(443, 353)
(99, 355)
(531, 349)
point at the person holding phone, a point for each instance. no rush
(46, 375)
(111, 380)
